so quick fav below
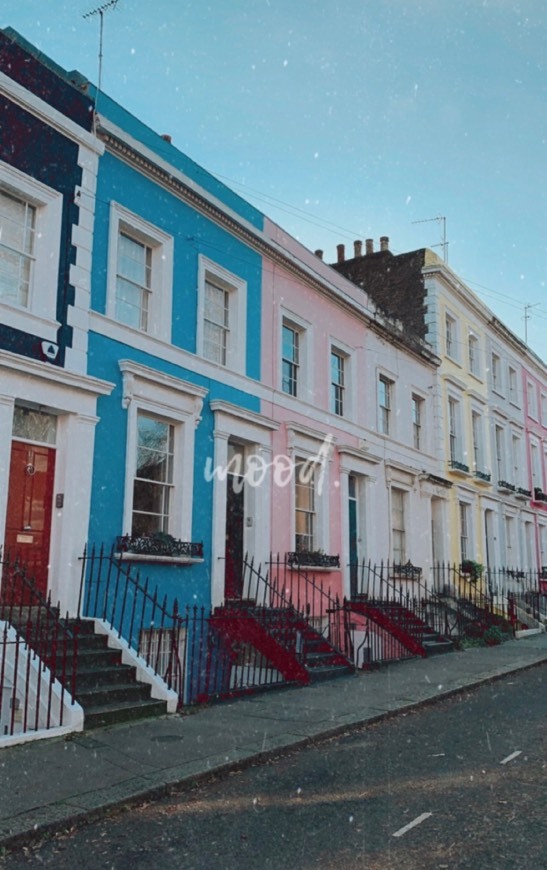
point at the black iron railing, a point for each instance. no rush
(158, 545)
(134, 610)
(41, 636)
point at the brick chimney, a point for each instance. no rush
(369, 246)
(341, 250)
(384, 243)
(319, 253)
(358, 248)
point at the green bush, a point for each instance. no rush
(493, 636)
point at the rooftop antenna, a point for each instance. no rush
(100, 10)
(443, 243)
(526, 318)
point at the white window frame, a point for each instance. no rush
(512, 380)
(294, 362)
(456, 451)
(497, 379)
(466, 544)
(310, 482)
(451, 337)
(346, 354)
(39, 315)
(477, 431)
(516, 459)
(418, 421)
(499, 451)
(385, 415)
(304, 384)
(535, 466)
(236, 344)
(531, 396)
(401, 530)
(161, 282)
(473, 347)
(173, 401)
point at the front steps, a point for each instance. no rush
(106, 688)
(410, 630)
(293, 647)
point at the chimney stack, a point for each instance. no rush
(358, 248)
(167, 137)
(384, 243)
(369, 246)
(341, 253)
(319, 253)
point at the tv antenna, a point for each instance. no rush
(526, 318)
(100, 10)
(443, 243)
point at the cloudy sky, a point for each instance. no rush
(347, 119)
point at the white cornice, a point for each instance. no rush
(221, 407)
(50, 116)
(144, 373)
(54, 374)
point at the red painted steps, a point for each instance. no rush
(293, 647)
(408, 628)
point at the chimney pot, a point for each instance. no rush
(167, 137)
(369, 246)
(358, 248)
(319, 253)
(341, 249)
(384, 243)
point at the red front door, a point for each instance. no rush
(30, 499)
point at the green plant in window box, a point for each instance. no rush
(472, 569)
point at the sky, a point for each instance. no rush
(347, 119)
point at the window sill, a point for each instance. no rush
(165, 560)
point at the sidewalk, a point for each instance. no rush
(51, 784)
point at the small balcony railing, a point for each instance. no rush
(504, 486)
(484, 476)
(408, 571)
(312, 558)
(456, 465)
(159, 545)
(539, 495)
(522, 492)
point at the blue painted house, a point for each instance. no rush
(175, 327)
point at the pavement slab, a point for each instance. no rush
(49, 785)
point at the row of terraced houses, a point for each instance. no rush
(197, 410)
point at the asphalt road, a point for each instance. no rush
(461, 784)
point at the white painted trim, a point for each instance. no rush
(39, 315)
(54, 375)
(305, 389)
(236, 346)
(161, 290)
(145, 674)
(179, 403)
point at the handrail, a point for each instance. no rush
(109, 591)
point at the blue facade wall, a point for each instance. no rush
(136, 129)
(193, 234)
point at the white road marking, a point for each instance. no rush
(417, 821)
(510, 757)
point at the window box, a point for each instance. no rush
(312, 558)
(483, 476)
(456, 465)
(408, 571)
(471, 569)
(523, 493)
(504, 486)
(158, 545)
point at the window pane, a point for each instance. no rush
(34, 425)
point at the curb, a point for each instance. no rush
(83, 817)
